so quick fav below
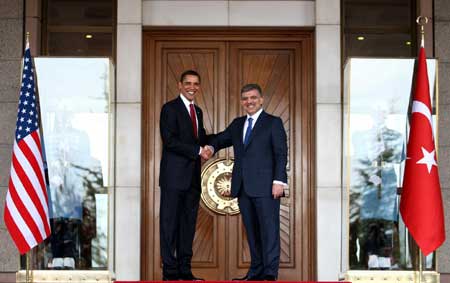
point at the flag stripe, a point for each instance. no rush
(24, 160)
(35, 146)
(15, 232)
(30, 221)
(20, 223)
(30, 189)
(34, 157)
(23, 201)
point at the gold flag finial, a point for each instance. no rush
(422, 21)
(27, 37)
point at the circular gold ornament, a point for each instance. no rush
(216, 179)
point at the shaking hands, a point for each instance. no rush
(207, 152)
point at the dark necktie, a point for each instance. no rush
(193, 119)
(249, 131)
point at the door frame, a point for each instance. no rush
(305, 202)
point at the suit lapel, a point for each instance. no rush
(257, 127)
(241, 130)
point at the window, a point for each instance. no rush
(78, 27)
(376, 100)
(75, 112)
(379, 28)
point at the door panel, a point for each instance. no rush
(208, 60)
(272, 66)
(226, 60)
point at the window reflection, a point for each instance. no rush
(74, 99)
(376, 161)
(377, 100)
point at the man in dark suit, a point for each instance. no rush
(183, 137)
(258, 179)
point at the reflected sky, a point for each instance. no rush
(379, 91)
(74, 100)
(79, 88)
(67, 82)
(383, 83)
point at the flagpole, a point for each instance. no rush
(27, 272)
(422, 21)
(28, 275)
(43, 151)
(420, 266)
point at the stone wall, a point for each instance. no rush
(442, 52)
(11, 50)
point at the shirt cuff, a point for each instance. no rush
(279, 183)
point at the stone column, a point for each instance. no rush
(328, 126)
(127, 194)
(11, 50)
(33, 25)
(442, 52)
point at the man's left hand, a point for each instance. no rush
(277, 190)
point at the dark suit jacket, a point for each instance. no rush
(180, 163)
(264, 158)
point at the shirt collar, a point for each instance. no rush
(255, 116)
(186, 101)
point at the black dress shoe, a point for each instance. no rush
(170, 278)
(247, 278)
(270, 278)
(244, 278)
(190, 277)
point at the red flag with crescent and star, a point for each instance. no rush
(421, 200)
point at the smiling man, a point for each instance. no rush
(258, 179)
(183, 137)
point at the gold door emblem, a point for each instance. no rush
(216, 179)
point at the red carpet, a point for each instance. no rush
(231, 281)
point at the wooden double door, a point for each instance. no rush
(281, 61)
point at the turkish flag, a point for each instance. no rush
(421, 201)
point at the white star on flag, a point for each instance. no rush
(428, 159)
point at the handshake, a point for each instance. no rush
(206, 152)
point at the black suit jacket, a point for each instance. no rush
(180, 163)
(264, 158)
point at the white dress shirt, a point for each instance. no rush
(187, 103)
(255, 118)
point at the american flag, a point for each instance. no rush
(26, 209)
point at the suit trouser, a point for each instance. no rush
(178, 217)
(261, 217)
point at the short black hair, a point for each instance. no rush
(189, 73)
(249, 87)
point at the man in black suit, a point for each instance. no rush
(258, 179)
(183, 137)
